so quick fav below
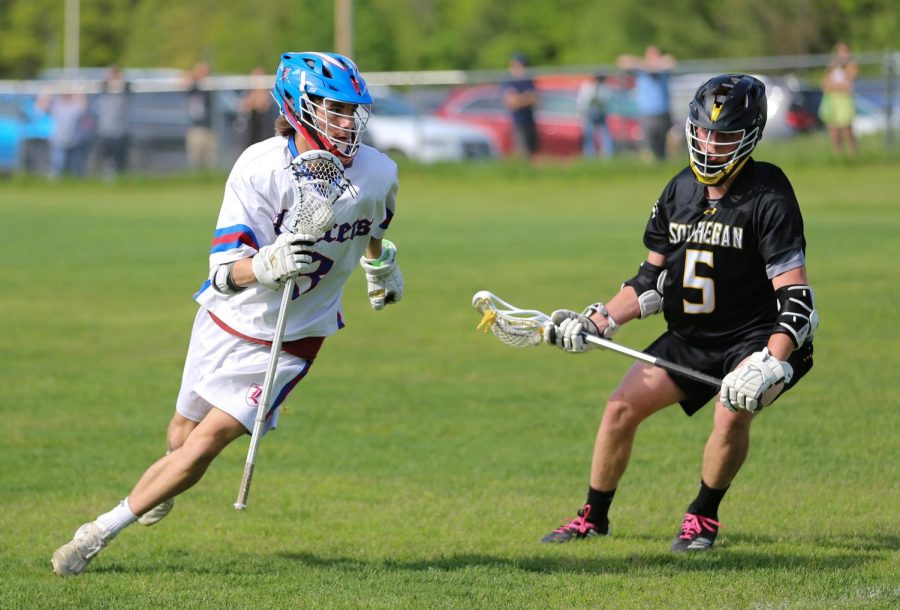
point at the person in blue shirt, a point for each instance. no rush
(651, 89)
(520, 97)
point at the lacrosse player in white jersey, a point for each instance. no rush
(324, 105)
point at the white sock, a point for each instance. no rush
(117, 519)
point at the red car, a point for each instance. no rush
(558, 124)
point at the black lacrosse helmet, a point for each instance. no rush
(730, 104)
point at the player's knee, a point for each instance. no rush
(179, 429)
(620, 414)
(728, 423)
(200, 449)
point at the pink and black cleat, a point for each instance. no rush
(579, 527)
(698, 533)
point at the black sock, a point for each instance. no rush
(599, 501)
(707, 502)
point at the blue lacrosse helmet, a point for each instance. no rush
(308, 84)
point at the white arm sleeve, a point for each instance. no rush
(387, 212)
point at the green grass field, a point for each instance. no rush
(420, 463)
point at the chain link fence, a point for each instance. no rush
(158, 117)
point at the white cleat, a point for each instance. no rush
(73, 557)
(155, 514)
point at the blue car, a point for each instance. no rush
(24, 135)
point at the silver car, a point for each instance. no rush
(398, 129)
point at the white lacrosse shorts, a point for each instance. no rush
(228, 372)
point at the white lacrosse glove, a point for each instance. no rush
(289, 256)
(752, 385)
(383, 277)
(565, 331)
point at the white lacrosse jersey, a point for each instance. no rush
(259, 194)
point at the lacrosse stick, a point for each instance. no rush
(525, 328)
(319, 179)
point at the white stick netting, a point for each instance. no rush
(513, 326)
(319, 177)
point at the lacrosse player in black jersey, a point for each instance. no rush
(726, 267)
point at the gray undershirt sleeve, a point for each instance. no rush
(789, 260)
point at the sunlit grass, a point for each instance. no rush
(420, 462)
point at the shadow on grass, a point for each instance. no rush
(844, 541)
(738, 552)
(666, 562)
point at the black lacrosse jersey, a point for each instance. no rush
(716, 289)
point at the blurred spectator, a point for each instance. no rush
(520, 97)
(592, 104)
(201, 139)
(72, 132)
(836, 109)
(651, 88)
(257, 108)
(112, 123)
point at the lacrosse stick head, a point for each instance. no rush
(513, 326)
(319, 178)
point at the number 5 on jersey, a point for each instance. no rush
(704, 284)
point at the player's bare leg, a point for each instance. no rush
(181, 469)
(727, 447)
(643, 391)
(724, 454)
(179, 429)
(166, 478)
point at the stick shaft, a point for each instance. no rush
(657, 362)
(265, 398)
(305, 178)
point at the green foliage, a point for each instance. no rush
(170, 33)
(105, 27)
(420, 462)
(435, 34)
(31, 37)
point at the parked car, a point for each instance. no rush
(559, 126)
(803, 110)
(871, 117)
(398, 129)
(24, 135)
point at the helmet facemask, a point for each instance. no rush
(321, 122)
(717, 155)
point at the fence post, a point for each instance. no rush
(890, 69)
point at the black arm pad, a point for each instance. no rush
(648, 284)
(646, 278)
(797, 315)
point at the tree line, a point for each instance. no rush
(238, 35)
